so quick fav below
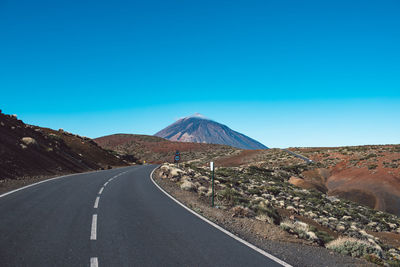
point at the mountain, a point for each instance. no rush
(199, 129)
(32, 151)
(153, 149)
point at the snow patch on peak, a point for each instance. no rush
(195, 115)
(198, 115)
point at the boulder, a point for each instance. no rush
(239, 211)
(28, 141)
(188, 186)
(202, 190)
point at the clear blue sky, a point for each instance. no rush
(287, 73)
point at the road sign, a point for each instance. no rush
(177, 156)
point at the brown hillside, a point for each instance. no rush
(369, 175)
(154, 149)
(27, 151)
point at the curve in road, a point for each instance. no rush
(111, 218)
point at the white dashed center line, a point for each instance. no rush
(96, 203)
(93, 234)
(94, 262)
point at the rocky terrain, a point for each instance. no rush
(199, 129)
(369, 175)
(265, 192)
(30, 152)
(157, 150)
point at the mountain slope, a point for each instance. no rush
(153, 149)
(27, 151)
(198, 129)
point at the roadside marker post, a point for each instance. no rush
(212, 182)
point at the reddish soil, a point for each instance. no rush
(30, 151)
(154, 149)
(369, 175)
(243, 157)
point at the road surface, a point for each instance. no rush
(115, 217)
(307, 160)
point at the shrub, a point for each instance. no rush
(270, 212)
(372, 166)
(374, 259)
(299, 228)
(322, 235)
(232, 196)
(354, 247)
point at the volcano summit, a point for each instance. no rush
(199, 129)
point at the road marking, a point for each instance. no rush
(96, 203)
(106, 183)
(93, 234)
(44, 181)
(51, 179)
(94, 262)
(101, 190)
(264, 253)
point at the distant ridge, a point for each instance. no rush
(199, 129)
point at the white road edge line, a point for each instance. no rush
(105, 184)
(264, 253)
(94, 262)
(51, 179)
(101, 190)
(96, 203)
(93, 233)
(47, 180)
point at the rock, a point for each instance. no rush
(291, 208)
(354, 228)
(28, 141)
(346, 218)
(372, 224)
(333, 199)
(312, 236)
(340, 228)
(264, 218)
(175, 173)
(209, 192)
(311, 214)
(23, 146)
(239, 211)
(202, 190)
(188, 186)
(164, 168)
(392, 226)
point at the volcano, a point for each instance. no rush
(199, 129)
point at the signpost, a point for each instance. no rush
(212, 182)
(177, 157)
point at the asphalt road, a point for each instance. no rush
(89, 220)
(307, 160)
